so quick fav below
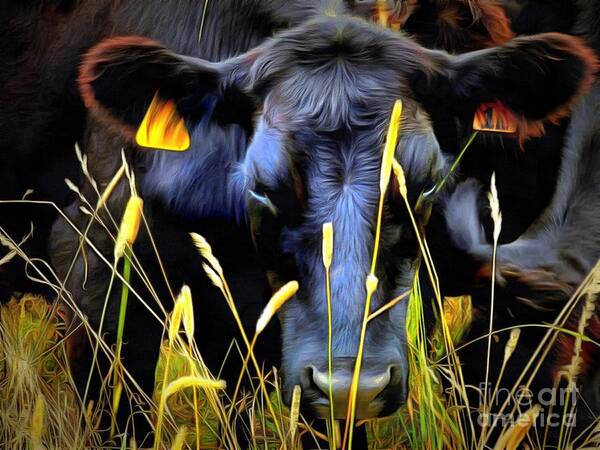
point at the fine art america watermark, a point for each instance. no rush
(557, 406)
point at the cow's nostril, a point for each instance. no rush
(375, 382)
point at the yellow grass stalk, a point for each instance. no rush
(37, 422)
(179, 440)
(589, 284)
(511, 345)
(426, 258)
(183, 312)
(295, 413)
(174, 325)
(495, 207)
(128, 231)
(192, 381)
(327, 244)
(118, 391)
(327, 259)
(278, 299)
(282, 295)
(130, 225)
(389, 305)
(571, 372)
(185, 298)
(390, 147)
(509, 349)
(176, 318)
(371, 281)
(214, 277)
(206, 251)
(497, 219)
(181, 383)
(400, 178)
(511, 438)
(215, 273)
(188, 313)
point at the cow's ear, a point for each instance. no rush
(125, 80)
(536, 78)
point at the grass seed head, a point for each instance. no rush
(282, 295)
(213, 276)
(130, 225)
(193, 381)
(206, 251)
(371, 283)
(400, 178)
(513, 340)
(495, 207)
(185, 298)
(327, 244)
(176, 318)
(390, 146)
(295, 411)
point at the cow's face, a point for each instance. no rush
(315, 158)
(325, 91)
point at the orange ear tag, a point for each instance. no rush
(494, 118)
(163, 127)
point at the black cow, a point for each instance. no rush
(42, 114)
(324, 90)
(549, 199)
(227, 126)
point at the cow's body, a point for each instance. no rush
(552, 241)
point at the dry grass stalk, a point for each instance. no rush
(182, 312)
(400, 178)
(37, 423)
(206, 251)
(179, 440)
(192, 381)
(371, 281)
(327, 244)
(295, 412)
(511, 345)
(215, 273)
(511, 438)
(278, 299)
(570, 373)
(327, 259)
(214, 277)
(130, 225)
(497, 219)
(390, 146)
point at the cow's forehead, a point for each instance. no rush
(336, 72)
(324, 43)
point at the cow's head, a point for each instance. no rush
(323, 94)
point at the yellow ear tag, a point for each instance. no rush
(163, 127)
(494, 118)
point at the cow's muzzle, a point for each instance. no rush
(380, 388)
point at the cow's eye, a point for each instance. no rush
(288, 204)
(264, 201)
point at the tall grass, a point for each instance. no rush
(189, 408)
